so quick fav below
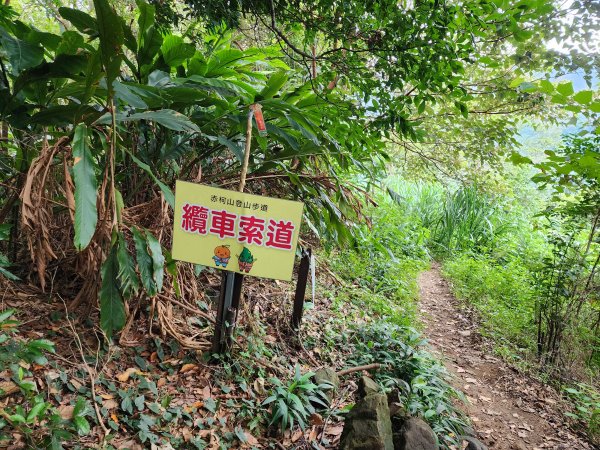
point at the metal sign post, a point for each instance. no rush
(301, 289)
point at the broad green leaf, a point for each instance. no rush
(528, 86)
(197, 65)
(277, 80)
(145, 19)
(17, 418)
(167, 192)
(83, 426)
(37, 410)
(517, 158)
(300, 125)
(145, 263)
(522, 35)
(165, 117)
(112, 38)
(149, 49)
(565, 89)
(595, 107)
(84, 177)
(80, 407)
(223, 59)
(112, 309)
(583, 97)
(139, 402)
(516, 82)
(158, 260)
(80, 20)
(546, 87)
(222, 87)
(70, 44)
(65, 115)
(175, 51)
(43, 344)
(463, 109)
(128, 278)
(21, 54)
(171, 266)
(127, 96)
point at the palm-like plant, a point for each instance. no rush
(295, 402)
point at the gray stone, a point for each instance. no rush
(397, 410)
(328, 376)
(368, 425)
(474, 444)
(415, 434)
(367, 386)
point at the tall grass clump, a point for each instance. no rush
(468, 220)
(458, 219)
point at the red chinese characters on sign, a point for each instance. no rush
(280, 234)
(223, 224)
(194, 218)
(251, 230)
(246, 229)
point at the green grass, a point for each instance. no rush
(455, 220)
(503, 295)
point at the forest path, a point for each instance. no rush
(507, 409)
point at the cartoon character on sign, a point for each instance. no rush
(222, 255)
(246, 260)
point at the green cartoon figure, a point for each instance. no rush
(246, 259)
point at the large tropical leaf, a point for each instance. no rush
(86, 215)
(112, 38)
(148, 48)
(145, 19)
(175, 51)
(112, 309)
(158, 260)
(275, 83)
(80, 20)
(222, 87)
(127, 276)
(21, 54)
(145, 262)
(165, 117)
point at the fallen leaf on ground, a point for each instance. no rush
(297, 435)
(316, 419)
(66, 411)
(124, 376)
(187, 368)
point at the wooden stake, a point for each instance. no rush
(231, 283)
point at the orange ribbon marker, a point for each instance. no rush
(260, 121)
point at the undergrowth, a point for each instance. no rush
(377, 309)
(503, 296)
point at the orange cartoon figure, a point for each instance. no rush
(222, 255)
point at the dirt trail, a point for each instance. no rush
(508, 410)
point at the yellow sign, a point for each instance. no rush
(229, 230)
